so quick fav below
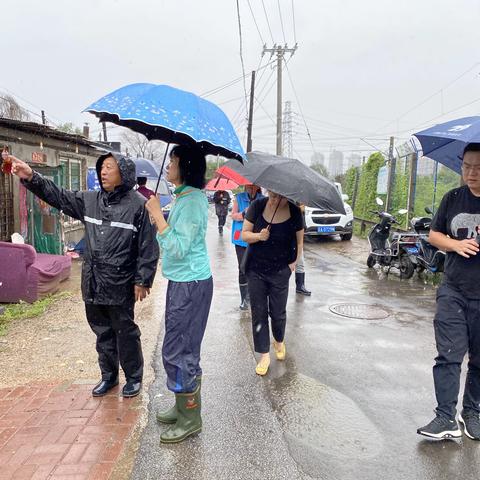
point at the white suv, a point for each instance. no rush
(320, 223)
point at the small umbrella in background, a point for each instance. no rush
(226, 172)
(292, 179)
(220, 183)
(145, 168)
(445, 142)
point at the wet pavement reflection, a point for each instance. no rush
(345, 404)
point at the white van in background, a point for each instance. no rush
(319, 223)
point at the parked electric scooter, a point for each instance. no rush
(429, 257)
(391, 252)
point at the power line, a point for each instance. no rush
(241, 54)
(299, 106)
(255, 21)
(281, 21)
(268, 23)
(293, 19)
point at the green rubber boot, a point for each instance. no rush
(189, 420)
(170, 416)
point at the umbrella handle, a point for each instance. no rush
(161, 168)
(273, 216)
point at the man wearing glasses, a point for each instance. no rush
(457, 319)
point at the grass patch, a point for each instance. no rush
(23, 310)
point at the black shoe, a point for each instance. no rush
(131, 388)
(471, 424)
(102, 387)
(244, 305)
(303, 291)
(441, 427)
(220, 230)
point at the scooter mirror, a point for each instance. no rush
(402, 211)
(379, 201)
(429, 210)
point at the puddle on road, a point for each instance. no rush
(322, 419)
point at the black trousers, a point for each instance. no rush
(457, 331)
(221, 220)
(240, 251)
(268, 297)
(118, 340)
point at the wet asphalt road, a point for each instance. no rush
(344, 405)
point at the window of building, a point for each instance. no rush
(71, 179)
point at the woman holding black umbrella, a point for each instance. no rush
(273, 228)
(186, 265)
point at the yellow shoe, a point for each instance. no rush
(262, 366)
(280, 350)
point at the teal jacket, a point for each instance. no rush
(184, 250)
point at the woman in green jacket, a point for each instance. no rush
(186, 265)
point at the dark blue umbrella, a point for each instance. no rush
(165, 113)
(445, 142)
(145, 168)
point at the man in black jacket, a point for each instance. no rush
(120, 261)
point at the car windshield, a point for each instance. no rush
(162, 187)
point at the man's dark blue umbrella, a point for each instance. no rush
(145, 168)
(292, 179)
(445, 142)
(165, 113)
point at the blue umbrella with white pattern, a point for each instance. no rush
(165, 113)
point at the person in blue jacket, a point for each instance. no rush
(240, 206)
(186, 265)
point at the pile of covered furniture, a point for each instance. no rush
(28, 275)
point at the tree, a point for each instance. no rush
(320, 168)
(212, 164)
(367, 190)
(69, 127)
(138, 145)
(10, 108)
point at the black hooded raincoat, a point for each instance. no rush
(120, 245)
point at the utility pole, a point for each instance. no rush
(104, 127)
(280, 51)
(391, 174)
(288, 130)
(250, 113)
(44, 120)
(412, 186)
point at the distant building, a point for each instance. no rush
(317, 157)
(335, 163)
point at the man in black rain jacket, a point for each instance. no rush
(120, 261)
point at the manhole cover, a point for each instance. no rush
(359, 310)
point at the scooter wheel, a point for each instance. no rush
(371, 261)
(407, 268)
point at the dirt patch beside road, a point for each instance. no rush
(59, 345)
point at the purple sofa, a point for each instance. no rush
(28, 275)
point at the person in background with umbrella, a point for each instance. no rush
(273, 228)
(221, 199)
(241, 202)
(186, 265)
(142, 187)
(457, 319)
(300, 266)
(119, 263)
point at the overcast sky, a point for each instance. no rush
(360, 73)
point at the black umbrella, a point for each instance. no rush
(292, 179)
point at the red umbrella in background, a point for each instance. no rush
(230, 174)
(221, 183)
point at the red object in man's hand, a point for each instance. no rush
(6, 161)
